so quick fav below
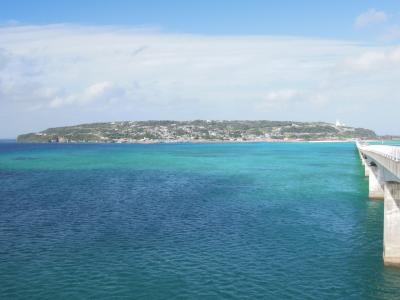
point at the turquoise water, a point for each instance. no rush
(217, 221)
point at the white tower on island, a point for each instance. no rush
(339, 124)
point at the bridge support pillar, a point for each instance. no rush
(362, 158)
(391, 227)
(364, 162)
(367, 170)
(376, 188)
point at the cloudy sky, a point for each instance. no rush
(70, 63)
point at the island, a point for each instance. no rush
(197, 131)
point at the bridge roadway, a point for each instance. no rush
(382, 166)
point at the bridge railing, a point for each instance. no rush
(391, 152)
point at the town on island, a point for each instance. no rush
(199, 131)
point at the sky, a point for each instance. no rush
(71, 62)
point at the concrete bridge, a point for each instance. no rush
(382, 166)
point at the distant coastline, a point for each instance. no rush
(205, 142)
(150, 142)
(199, 131)
(155, 142)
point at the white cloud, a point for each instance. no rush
(376, 60)
(372, 16)
(392, 34)
(105, 92)
(280, 99)
(292, 99)
(63, 74)
(283, 95)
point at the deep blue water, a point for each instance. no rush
(218, 221)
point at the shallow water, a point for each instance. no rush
(226, 221)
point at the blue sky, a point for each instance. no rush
(70, 62)
(316, 18)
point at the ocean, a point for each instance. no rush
(189, 221)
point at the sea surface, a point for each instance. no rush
(189, 221)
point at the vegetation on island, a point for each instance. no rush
(196, 131)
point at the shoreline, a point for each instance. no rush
(160, 142)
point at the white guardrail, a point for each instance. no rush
(391, 152)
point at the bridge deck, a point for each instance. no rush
(382, 164)
(386, 156)
(390, 152)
